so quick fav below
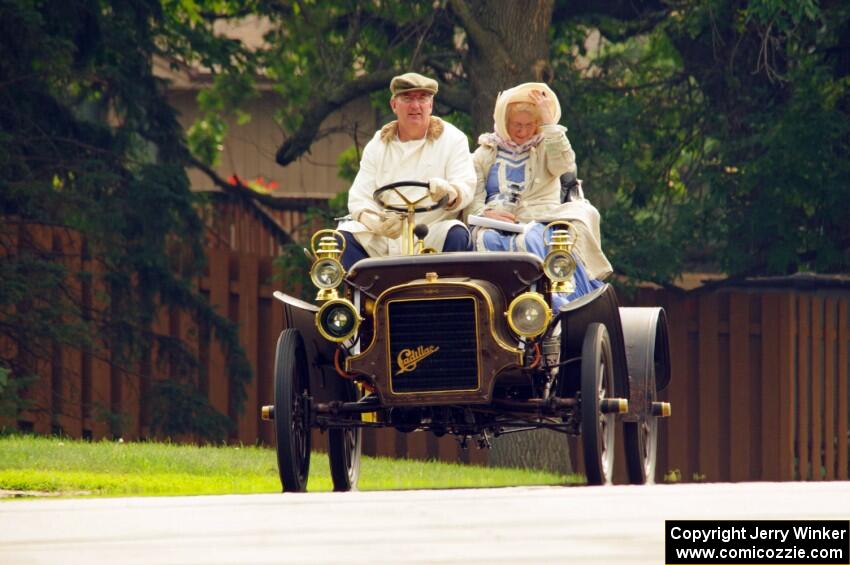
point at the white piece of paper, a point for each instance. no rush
(500, 225)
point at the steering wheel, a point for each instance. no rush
(410, 205)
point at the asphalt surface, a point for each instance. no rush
(618, 524)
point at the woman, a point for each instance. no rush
(519, 166)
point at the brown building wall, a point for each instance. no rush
(249, 149)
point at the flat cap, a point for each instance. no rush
(412, 81)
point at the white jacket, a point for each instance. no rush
(443, 153)
(541, 199)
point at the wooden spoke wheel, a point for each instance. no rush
(344, 446)
(640, 441)
(597, 383)
(292, 424)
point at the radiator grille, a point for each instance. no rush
(437, 342)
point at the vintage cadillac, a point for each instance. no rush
(465, 344)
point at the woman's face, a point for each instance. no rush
(522, 126)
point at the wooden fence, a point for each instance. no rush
(759, 388)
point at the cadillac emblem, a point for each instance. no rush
(408, 359)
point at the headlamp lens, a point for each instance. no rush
(559, 266)
(327, 273)
(529, 314)
(338, 320)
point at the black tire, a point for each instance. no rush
(292, 429)
(344, 447)
(597, 382)
(640, 441)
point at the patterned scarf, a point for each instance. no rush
(496, 139)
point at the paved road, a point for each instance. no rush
(620, 524)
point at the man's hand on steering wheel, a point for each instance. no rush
(381, 223)
(438, 188)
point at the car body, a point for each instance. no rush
(465, 344)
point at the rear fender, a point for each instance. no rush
(648, 355)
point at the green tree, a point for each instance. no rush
(89, 148)
(711, 133)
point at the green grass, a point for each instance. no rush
(77, 468)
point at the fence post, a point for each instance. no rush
(817, 396)
(843, 411)
(218, 383)
(709, 398)
(803, 385)
(829, 434)
(741, 383)
(248, 301)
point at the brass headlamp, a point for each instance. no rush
(559, 265)
(327, 271)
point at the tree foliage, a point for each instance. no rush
(711, 133)
(90, 152)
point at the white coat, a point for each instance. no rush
(443, 153)
(541, 199)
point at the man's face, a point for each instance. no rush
(413, 110)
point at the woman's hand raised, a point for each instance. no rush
(544, 106)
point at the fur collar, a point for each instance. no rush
(435, 130)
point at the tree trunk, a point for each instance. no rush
(546, 450)
(508, 45)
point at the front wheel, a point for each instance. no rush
(292, 424)
(597, 383)
(344, 446)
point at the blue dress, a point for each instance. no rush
(506, 181)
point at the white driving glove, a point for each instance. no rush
(387, 225)
(437, 188)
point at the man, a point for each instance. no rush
(417, 147)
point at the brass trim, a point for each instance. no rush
(661, 409)
(391, 376)
(557, 243)
(324, 252)
(537, 297)
(330, 292)
(431, 276)
(462, 284)
(327, 294)
(325, 260)
(547, 270)
(326, 335)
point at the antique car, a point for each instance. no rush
(465, 344)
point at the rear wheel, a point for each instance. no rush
(292, 426)
(640, 440)
(344, 446)
(597, 384)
